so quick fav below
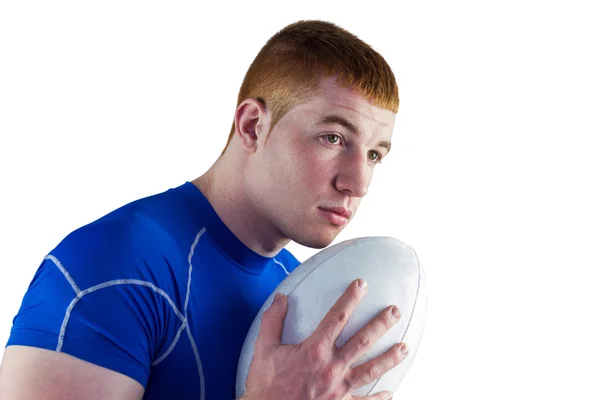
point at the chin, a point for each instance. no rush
(316, 241)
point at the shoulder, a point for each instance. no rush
(113, 291)
(142, 240)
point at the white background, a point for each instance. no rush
(493, 176)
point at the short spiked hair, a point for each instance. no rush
(288, 69)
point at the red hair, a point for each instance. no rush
(288, 69)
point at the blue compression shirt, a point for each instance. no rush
(159, 290)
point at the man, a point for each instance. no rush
(154, 300)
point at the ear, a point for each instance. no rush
(251, 123)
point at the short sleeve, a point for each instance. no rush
(99, 306)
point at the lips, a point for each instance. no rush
(344, 212)
(336, 215)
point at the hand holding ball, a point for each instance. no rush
(328, 334)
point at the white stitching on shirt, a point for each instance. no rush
(187, 296)
(198, 362)
(185, 324)
(64, 272)
(184, 320)
(282, 266)
(103, 285)
(172, 346)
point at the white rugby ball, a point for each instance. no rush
(393, 275)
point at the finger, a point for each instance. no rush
(374, 369)
(364, 339)
(271, 325)
(335, 319)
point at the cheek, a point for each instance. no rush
(314, 170)
(302, 167)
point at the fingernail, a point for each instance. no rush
(389, 395)
(403, 349)
(362, 283)
(396, 312)
(278, 298)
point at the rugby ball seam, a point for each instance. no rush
(412, 312)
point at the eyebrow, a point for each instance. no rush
(336, 119)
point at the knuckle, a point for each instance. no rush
(372, 372)
(317, 354)
(329, 374)
(396, 355)
(385, 321)
(270, 313)
(355, 294)
(266, 320)
(341, 315)
(363, 341)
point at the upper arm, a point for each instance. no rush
(116, 327)
(32, 373)
(93, 305)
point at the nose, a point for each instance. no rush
(354, 175)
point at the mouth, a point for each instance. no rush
(336, 215)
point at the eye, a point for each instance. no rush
(333, 139)
(374, 156)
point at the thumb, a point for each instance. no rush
(271, 326)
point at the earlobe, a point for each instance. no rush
(250, 118)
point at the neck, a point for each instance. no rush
(223, 186)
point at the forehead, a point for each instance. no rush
(333, 98)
